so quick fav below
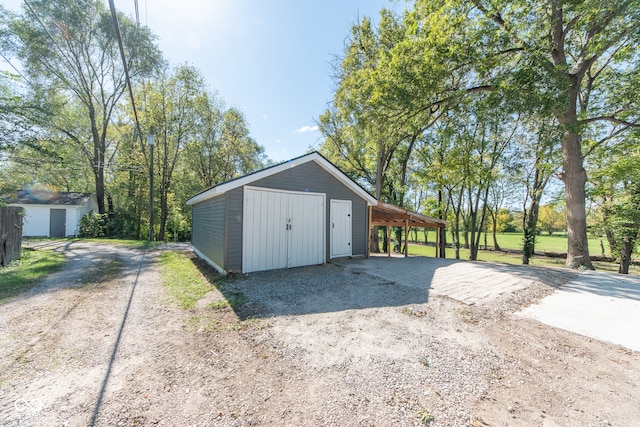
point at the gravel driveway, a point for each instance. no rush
(324, 345)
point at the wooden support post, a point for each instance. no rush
(389, 247)
(438, 242)
(406, 238)
(369, 232)
(443, 238)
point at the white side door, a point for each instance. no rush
(341, 228)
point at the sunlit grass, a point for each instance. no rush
(141, 244)
(27, 272)
(512, 258)
(544, 243)
(185, 283)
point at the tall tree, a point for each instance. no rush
(69, 52)
(536, 158)
(168, 108)
(616, 184)
(578, 58)
(222, 147)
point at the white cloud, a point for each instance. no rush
(307, 129)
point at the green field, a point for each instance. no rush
(544, 243)
(556, 243)
(510, 258)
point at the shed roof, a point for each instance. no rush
(255, 176)
(386, 214)
(45, 197)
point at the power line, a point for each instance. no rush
(135, 2)
(35, 161)
(13, 66)
(126, 68)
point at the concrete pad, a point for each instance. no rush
(465, 281)
(599, 305)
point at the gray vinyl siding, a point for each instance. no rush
(313, 178)
(208, 229)
(233, 259)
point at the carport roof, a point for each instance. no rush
(395, 216)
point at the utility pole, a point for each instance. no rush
(150, 142)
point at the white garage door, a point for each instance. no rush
(282, 229)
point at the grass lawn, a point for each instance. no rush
(508, 258)
(544, 243)
(188, 279)
(27, 272)
(142, 244)
(186, 284)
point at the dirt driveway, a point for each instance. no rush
(325, 345)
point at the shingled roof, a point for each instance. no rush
(42, 197)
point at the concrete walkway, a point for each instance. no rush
(599, 305)
(465, 281)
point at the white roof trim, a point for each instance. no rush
(248, 179)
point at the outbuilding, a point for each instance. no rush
(51, 213)
(301, 212)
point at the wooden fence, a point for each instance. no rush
(10, 234)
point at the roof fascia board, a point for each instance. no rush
(324, 163)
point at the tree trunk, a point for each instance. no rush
(625, 255)
(374, 244)
(529, 226)
(494, 224)
(99, 177)
(385, 242)
(473, 249)
(575, 178)
(442, 233)
(98, 159)
(164, 214)
(443, 242)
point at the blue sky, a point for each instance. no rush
(269, 58)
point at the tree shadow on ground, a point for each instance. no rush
(606, 284)
(353, 284)
(315, 289)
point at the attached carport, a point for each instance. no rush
(384, 214)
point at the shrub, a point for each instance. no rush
(92, 225)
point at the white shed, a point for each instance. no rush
(52, 213)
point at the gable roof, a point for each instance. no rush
(272, 170)
(45, 197)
